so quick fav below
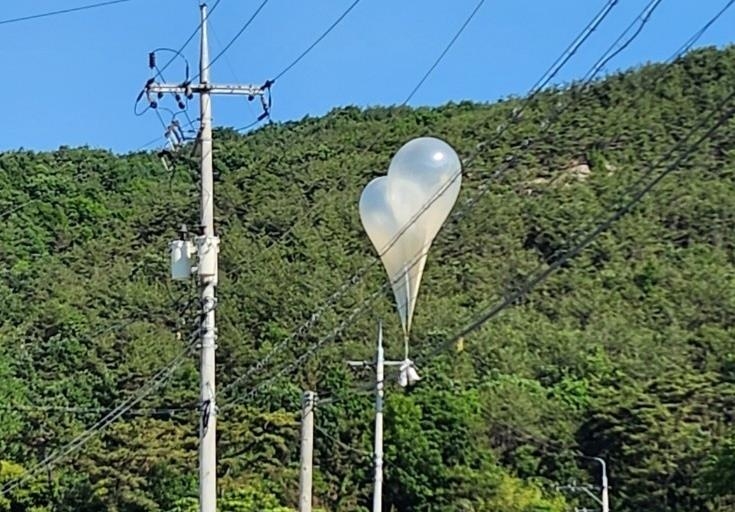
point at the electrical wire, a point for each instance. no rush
(573, 47)
(250, 125)
(190, 38)
(185, 109)
(212, 30)
(75, 444)
(548, 76)
(697, 35)
(662, 75)
(542, 275)
(569, 52)
(444, 52)
(177, 53)
(589, 77)
(591, 236)
(301, 56)
(15, 208)
(159, 72)
(494, 175)
(641, 20)
(358, 451)
(653, 183)
(549, 79)
(4, 491)
(545, 79)
(108, 419)
(152, 411)
(631, 189)
(236, 37)
(299, 361)
(229, 63)
(316, 42)
(362, 272)
(359, 275)
(63, 11)
(148, 144)
(160, 118)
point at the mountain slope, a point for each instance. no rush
(626, 353)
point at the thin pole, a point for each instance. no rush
(605, 487)
(379, 379)
(307, 450)
(208, 425)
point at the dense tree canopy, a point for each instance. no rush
(626, 353)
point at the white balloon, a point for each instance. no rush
(434, 166)
(403, 211)
(401, 245)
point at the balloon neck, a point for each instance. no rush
(405, 344)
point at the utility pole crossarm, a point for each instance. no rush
(371, 364)
(604, 499)
(583, 488)
(360, 364)
(243, 90)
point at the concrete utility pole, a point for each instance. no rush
(308, 403)
(207, 249)
(379, 394)
(605, 487)
(408, 376)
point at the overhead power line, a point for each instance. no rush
(545, 79)
(616, 48)
(178, 53)
(151, 411)
(645, 15)
(542, 82)
(80, 440)
(573, 47)
(299, 361)
(536, 89)
(301, 55)
(343, 446)
(63, 11)
(697, 35)
(359, 275)
(613, 50)
(644, 18)
(444, 52)
(317, 41)
(542, 275)
(245, 26)
(237, 35)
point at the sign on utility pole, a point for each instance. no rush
(207, 249)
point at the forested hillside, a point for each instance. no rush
(625, 353)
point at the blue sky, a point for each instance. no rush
(72, 79)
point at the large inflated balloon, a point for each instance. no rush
(403, 211)
(398, 243)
